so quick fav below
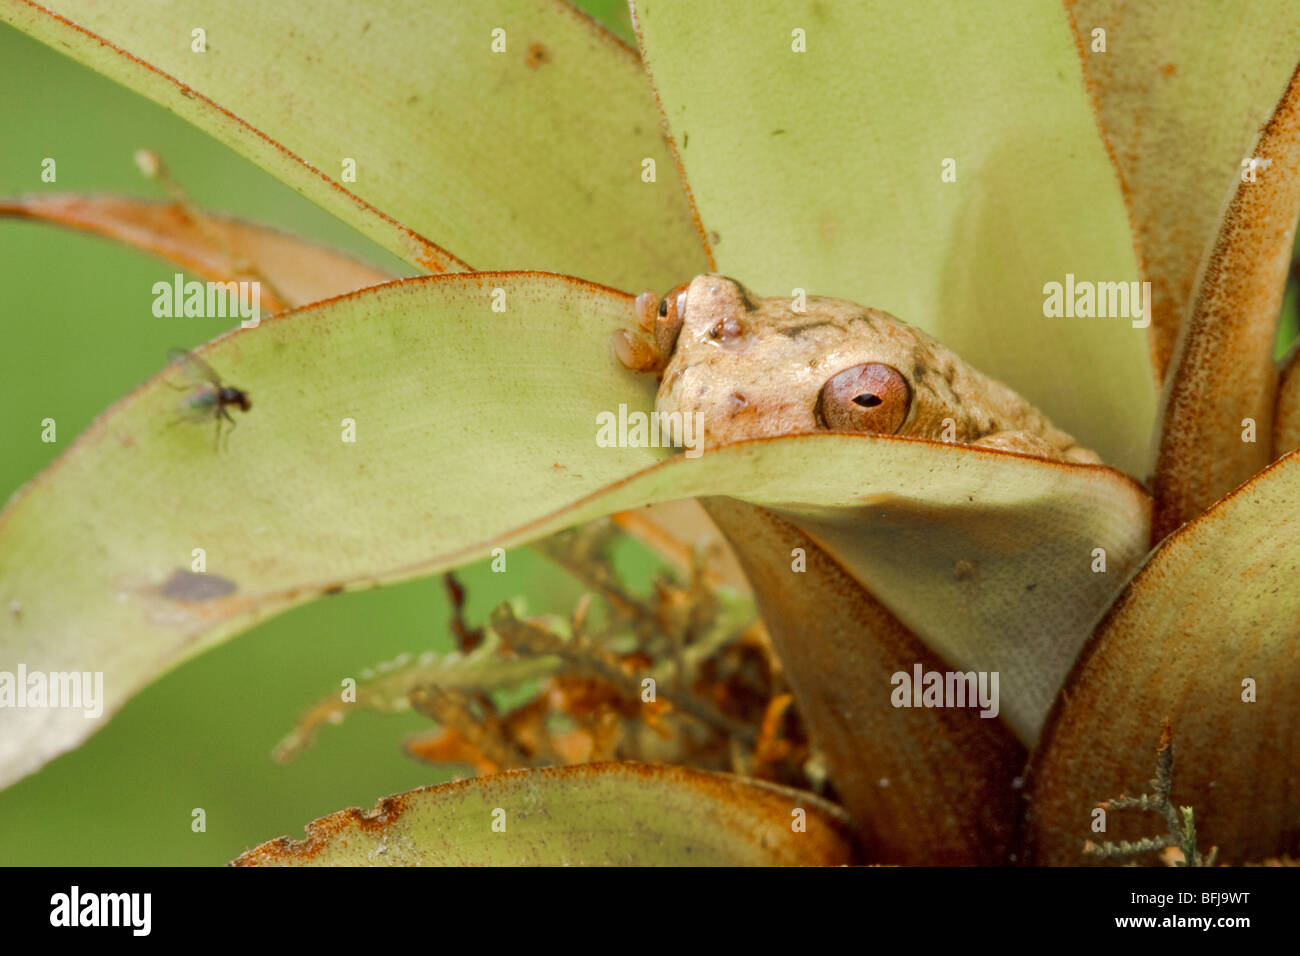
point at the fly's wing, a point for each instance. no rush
(200, 383)
(193, 369)
(199, 403)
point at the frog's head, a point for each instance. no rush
(756, 367)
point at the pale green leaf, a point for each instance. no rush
(478, 429)
(823, 170)
(486, 154)
(590, 815)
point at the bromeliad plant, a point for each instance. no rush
(990, 175)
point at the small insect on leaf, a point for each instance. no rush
(206, 396)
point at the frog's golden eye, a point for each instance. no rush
(871, 398)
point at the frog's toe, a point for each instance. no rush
(633, 352)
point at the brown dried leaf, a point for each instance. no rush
(1215, 605)
(1286, 420)
(1223, 371)
(927, 786)
(1181, 91)
(674, 529)
(299, 272)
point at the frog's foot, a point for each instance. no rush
(1027, 443)
(653, 317)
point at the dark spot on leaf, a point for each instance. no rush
(190, 587)
(537, 55)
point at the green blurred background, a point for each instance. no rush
(200, 736)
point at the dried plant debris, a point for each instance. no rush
(683, 676)
(1177, 847)
(388, 686)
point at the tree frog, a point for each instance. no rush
(757, 367)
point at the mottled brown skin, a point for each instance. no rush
(756, 368)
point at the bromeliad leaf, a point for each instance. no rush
(435, 383)
(1221, 393)
(293, 271)
(825, 172)
(1179, 128)
(1205, 637)
(537, 184)
(591, 815)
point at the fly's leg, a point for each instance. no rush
(224, 413)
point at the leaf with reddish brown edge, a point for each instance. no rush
(1005, 573)
(218, 248)
(480, 151)
(611, 814)
(1286, 421)
(235, 131)
(221, 248)
(870, 151)
(479, 429)
(1223, 377)
(1182, 90)
(929, 786)
(1215, 605)
(95, 552)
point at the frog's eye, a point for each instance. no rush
(870, 398)
(673, 306)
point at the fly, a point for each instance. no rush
(207, 396)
